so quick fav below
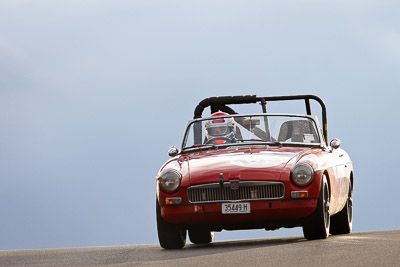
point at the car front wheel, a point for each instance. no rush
(170, 236)
(342, 222)
(317, 225)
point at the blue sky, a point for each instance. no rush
(93, 93)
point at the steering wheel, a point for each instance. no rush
(214, 140)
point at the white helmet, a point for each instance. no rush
(224, 128)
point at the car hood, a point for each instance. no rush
(263, 165)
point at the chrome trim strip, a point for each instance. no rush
(242, 183)
(332, 166)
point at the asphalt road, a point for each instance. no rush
(381, 248)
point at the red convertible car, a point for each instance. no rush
(254, 171)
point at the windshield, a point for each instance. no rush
(239, 129)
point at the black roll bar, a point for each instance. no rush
(220, 102)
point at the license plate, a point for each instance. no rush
(235, 208)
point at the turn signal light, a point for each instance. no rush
(173, 200)
(299, 194)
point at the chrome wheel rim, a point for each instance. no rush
(350, 206)
(326, 207)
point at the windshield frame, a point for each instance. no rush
(314, 119)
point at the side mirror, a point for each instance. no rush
(173, 151)
(335, 143)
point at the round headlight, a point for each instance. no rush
(170, 180)
(302, 174)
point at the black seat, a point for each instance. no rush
(297, 131)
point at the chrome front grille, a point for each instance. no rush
(235, 191)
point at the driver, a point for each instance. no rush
(220, 130)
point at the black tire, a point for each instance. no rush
(200, 236)
(170, 235)
(342, 223)
(317, 225)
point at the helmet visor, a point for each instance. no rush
(218, 130)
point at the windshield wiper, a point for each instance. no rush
(273, 143)
(200, 146)
(276, 143)
(252, 140)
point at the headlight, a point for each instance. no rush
(302, 174)
(170, 180)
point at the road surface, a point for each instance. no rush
(381, 248)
